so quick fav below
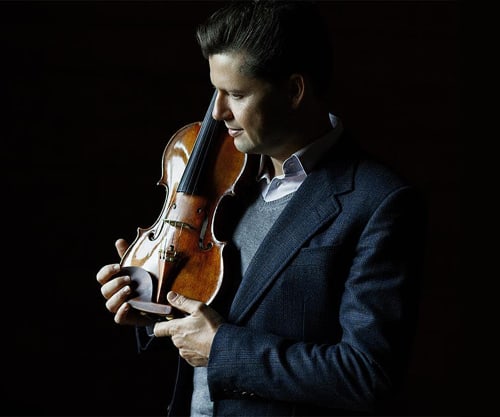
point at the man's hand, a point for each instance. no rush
(116, 290)
(193, 334)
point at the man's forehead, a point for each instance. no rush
(226, 71)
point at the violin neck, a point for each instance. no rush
(191, 180)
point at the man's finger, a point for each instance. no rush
(121, 246)
(182, 303)
(162, 329)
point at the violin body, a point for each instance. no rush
(181, 251)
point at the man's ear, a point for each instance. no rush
(296, 89)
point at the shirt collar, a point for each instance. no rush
(303, 161)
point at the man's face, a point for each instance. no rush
(255, 112)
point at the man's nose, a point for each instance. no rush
(221, 110)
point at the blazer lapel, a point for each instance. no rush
(313, 204)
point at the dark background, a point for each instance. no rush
(92, 91)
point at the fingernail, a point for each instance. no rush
(172, 296)
(116, 267)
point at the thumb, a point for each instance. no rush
(121, 246)
(182, 303)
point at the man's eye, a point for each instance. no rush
(236, 96)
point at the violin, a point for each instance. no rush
(181, 252)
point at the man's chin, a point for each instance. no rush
(243, 145)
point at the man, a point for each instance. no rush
(329, 246)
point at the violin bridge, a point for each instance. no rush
(177, 223)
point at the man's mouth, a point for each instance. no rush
(234, 132)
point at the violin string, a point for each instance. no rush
(207, 138)
(202, 146)
(205, 152)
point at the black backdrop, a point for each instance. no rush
(93, 90)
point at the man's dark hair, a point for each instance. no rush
(279, 38)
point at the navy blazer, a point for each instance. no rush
(322, 322)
